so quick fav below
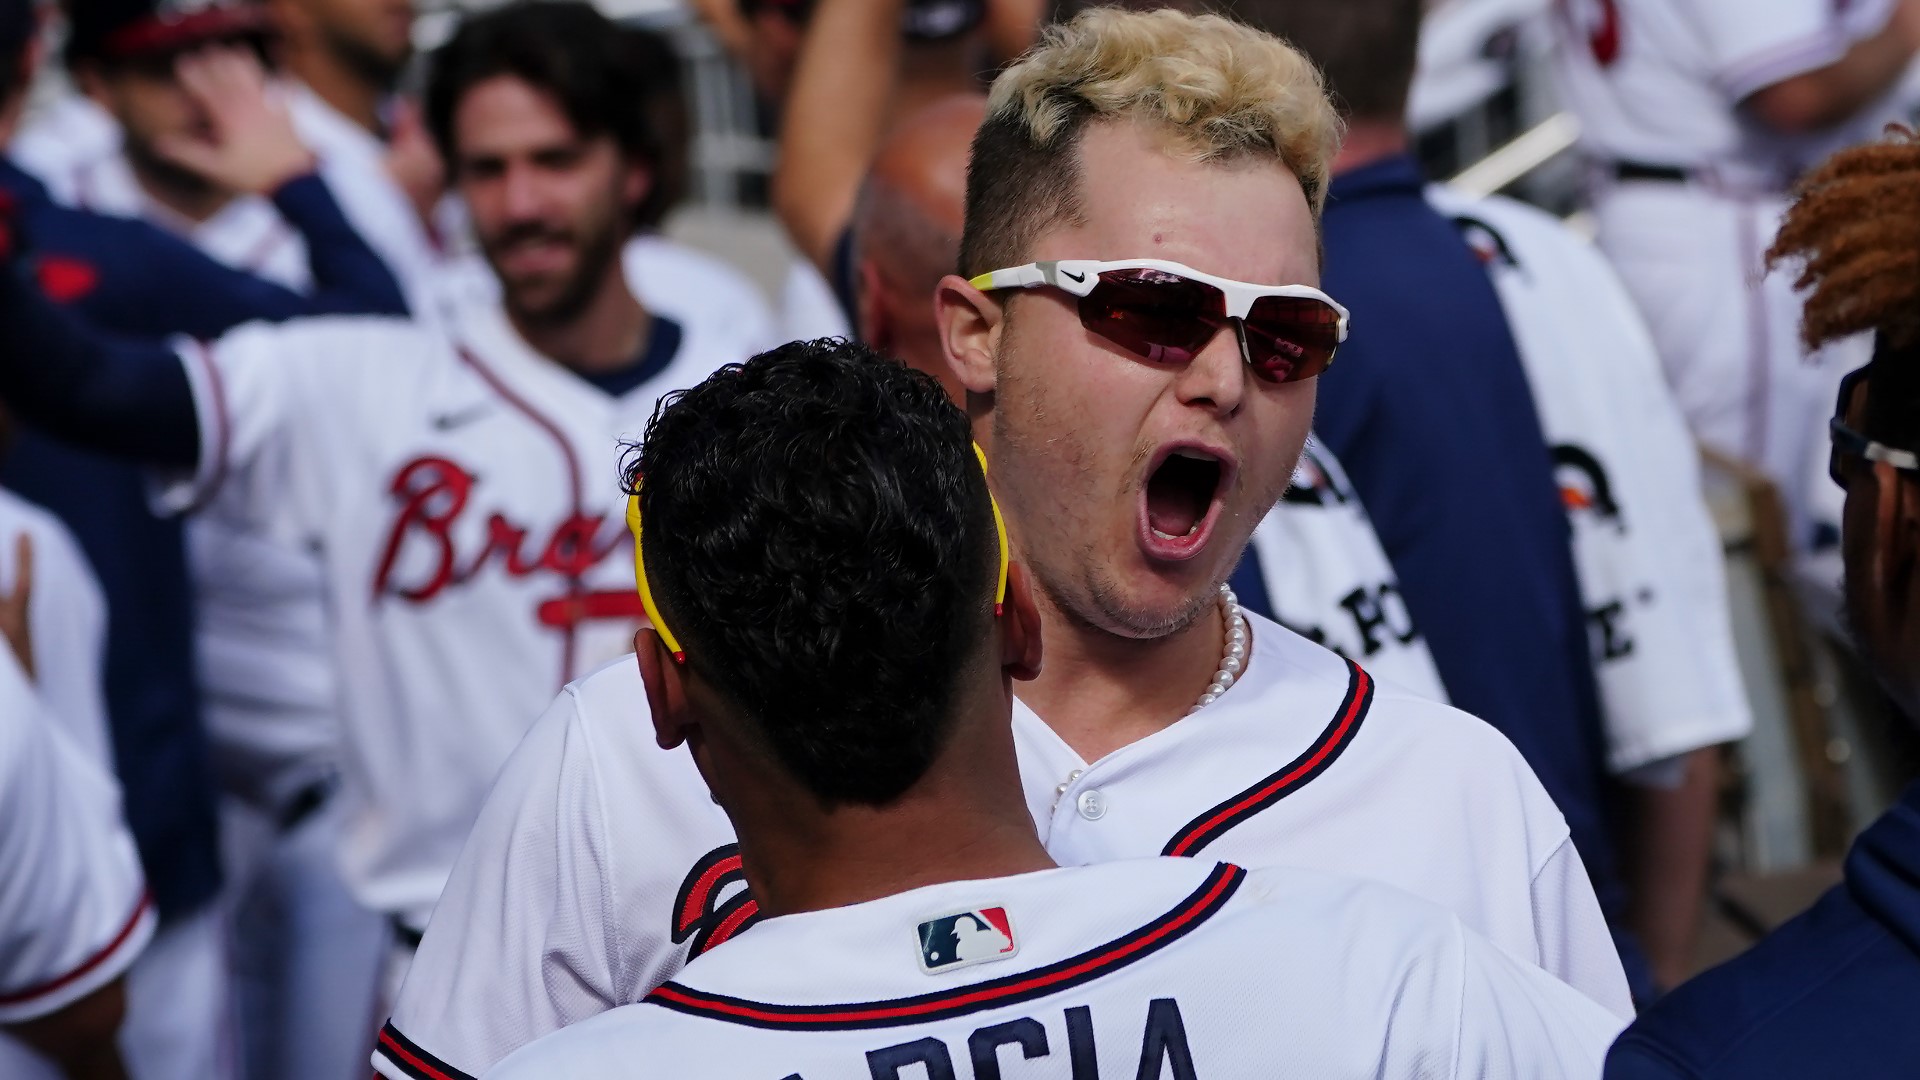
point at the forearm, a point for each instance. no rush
(1830, 95)
(58, 374)
(836, 115)
(348, 277)
(1670, 844)
(80, 1037)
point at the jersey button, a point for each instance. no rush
(1093, 805)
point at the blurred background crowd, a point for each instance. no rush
(1582, 303)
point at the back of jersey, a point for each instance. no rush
(1141, 968)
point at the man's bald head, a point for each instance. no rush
(906, 228)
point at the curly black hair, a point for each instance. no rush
(820, 539)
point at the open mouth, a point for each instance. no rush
(1180, 500)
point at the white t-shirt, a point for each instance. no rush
(74, 909)
(600, 862)
(1130, 968)
(1652, 576)
(1657, 81)
(463, 493)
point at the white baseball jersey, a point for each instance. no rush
(1648, 555)
(354, 164)
(1658, 81)
(463, 493)
(600, 863)
(67, 618)
(1327, 577)
(1148, 968)
(74, 910)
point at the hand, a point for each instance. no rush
(14, 605)
(253, 148)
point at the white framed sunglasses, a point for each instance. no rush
(1167, 312)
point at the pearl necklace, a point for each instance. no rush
(1233, 660)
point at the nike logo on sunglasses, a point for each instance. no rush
(1077, 278)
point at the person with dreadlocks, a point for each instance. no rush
(1831, 993)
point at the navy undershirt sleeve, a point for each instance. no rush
(116, 396)
(348, 277)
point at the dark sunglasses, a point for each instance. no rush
(1850, 443)
(1167, 312)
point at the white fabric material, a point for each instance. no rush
(808, 308)
(179, 997)
(56, 136)
(1651, 571)
(1337, 977)
(1328, 578)
(67, 619)
(563, 903)
(1727, 331)
(74, 911)
(306, 958)
(354, 164)
(463, 493)
(1657, 81)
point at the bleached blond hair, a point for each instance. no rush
(1224, 91)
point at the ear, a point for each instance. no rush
(969, 322)
(666, 692)
(1020, 627)
(870, 304)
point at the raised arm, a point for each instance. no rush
(835, 117)
(119, 397)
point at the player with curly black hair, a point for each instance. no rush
(834, 596)
(835, 637)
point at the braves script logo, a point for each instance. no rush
(435, 494)
(705, 910)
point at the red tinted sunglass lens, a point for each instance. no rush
(1290, 338)
(1160, 316)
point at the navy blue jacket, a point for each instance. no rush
(136, 280)
(1428, 408)
(1831, 993)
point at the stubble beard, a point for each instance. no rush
(577, 292)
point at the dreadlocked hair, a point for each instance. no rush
(1855, 229)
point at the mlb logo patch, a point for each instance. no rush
(966, 938)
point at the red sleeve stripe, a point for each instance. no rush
(1293, 776)
(92, 963)
(406, 1055)
(1201, 905)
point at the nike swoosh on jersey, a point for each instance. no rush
(459, 418)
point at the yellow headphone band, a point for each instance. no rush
(673, 643)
